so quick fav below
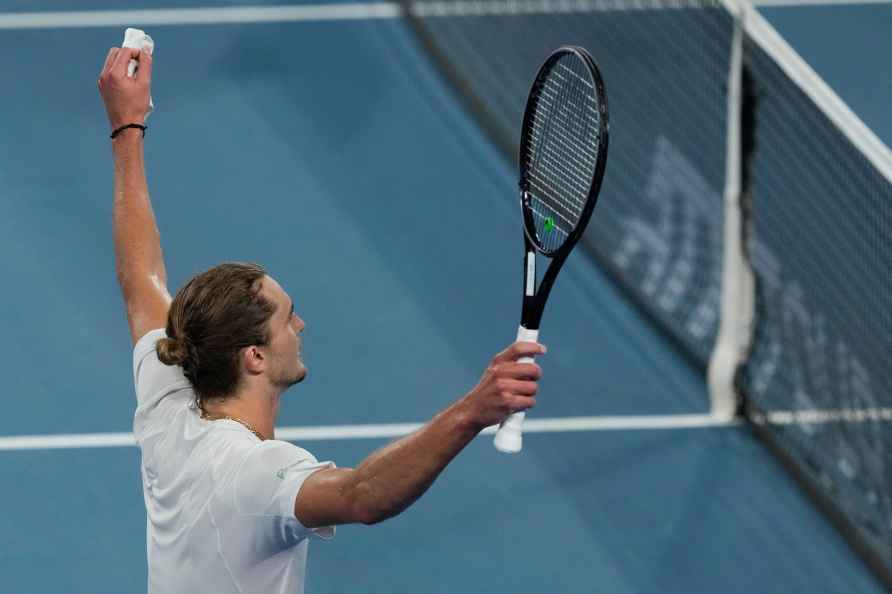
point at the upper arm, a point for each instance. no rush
(147, 301)
(330, 496)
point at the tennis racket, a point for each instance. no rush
(563, 153)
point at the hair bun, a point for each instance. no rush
(171, 351)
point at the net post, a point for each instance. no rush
(738, 286)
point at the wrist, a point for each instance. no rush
(128, 144)
(462, 413)
(128, 133)
(129, 128)
(123, 120)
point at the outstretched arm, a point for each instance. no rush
(392, 478)
(138, 258)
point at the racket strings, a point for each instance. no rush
(544, 210)
(552, 214)
(557, 229)
(567, 111)
(561, 150)
(580, 169)
(552, 156)
(568, 115)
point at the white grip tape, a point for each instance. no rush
(509, 437)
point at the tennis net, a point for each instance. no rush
(820, 239)
(818, 205)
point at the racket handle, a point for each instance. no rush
(509, 437)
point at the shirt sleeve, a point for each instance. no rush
(155, 382)
(269, 481)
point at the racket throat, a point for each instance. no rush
(529, 319)
(535, 294)
(529, 291)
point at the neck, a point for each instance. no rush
(258, 408)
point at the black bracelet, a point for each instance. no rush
(122, 128)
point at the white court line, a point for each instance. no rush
(796, 3)
(348, 11)
(548, 425)
(64, 441)
(200, 16)
(379, 431)
(820, 417)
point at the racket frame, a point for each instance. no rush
(534, 298)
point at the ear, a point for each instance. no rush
(253, 360)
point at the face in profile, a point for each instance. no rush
(286, 366)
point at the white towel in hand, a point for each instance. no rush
(139, 40)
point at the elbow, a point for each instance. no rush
(369, 514)
(382, 511)
(368, 508)
(369, 517)
(372, 516)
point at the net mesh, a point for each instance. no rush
(816, 380)
(561, 148)
(820, 244)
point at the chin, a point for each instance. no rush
(290, 379)
(300, 375)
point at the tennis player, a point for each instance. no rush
(229, 508)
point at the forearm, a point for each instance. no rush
(392, 478)
(137, 241)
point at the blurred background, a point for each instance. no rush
(364, 154)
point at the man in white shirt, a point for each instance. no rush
(229, 508)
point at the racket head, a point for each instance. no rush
(563, 150)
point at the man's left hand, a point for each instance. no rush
(126, 98)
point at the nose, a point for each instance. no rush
(298, 323)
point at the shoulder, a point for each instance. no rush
(146, 343)
(145, 354)
(270, 476)
(275, 454)
(155, 383)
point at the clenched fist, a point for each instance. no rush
(126, 97)
(507, 386)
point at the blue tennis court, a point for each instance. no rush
(334, 153)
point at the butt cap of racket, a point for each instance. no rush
(509, 437)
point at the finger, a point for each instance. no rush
(144, 72)
(520, 349)
(122, 59)
(520, 370)
(521, 403)
(108, 60)
(119, 62)
(522, 388)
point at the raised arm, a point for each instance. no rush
(138, 258)
(392, 478)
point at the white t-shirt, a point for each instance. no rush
(219, 501)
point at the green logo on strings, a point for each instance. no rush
(549, 224)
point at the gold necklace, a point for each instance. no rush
(207, 417)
